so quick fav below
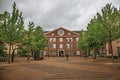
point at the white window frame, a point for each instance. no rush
(69, 46)
(69, 39)
(77, 39)
(61, 39)
(52, 39)
(61, 46)
(52, 45)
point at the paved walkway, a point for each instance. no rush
(57, 68)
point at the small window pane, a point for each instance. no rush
(61, 39)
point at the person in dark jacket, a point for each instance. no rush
(67, 57)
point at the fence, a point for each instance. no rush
(3, 59)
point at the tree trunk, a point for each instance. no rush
(13, 53)
(111, 50)
(28, 55)
(94, 54)
(9, 56)
(12, 57)
(67, 56)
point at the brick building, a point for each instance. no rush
(116, 48)
(61, 42)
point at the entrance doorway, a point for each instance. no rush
(61, 53)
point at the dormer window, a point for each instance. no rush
(69, 33)
(52, 34)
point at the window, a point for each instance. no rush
(69, 45)
(77, 39)
(61, 39)
(76, 45)
(69, 39)
(60, 32)
(77, 53)
(52, 34)
(52, 53)
(61, 45)
(69, 33)
(52, 39)
(52, 45)
(70, 53)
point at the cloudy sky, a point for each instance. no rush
(51, 14)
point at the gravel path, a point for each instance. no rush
(57, 68)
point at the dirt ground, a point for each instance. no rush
(58, 68)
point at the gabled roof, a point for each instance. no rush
(63, 29)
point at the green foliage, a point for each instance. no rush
(22, 52)
(103, 28)
(82, 43)
(29, 39)
(35, 38)
(40, 39)
(12, 28)
(2, 18)
(110, 19)
(2, 45)
(2, 49)
(30, 36)
(13, 24)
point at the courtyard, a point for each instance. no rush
(58, 68)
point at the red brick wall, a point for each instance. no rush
(64, 42)
(115, 45)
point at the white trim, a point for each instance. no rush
(63, 29)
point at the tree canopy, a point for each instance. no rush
(12, 28)
(102, 29)
(12, 32)
(35, 39)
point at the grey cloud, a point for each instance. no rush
(61, 14)
(51, 14)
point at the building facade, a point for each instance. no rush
(116, 48)
(62, 42)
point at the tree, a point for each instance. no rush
(2, 49)
(89, 40)
(94, 33)
(35, 39)
(110, 19)
(29, 39)
(40, 40)
(104, 28)
(83, 43)
(2, 45)
(12, 29)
